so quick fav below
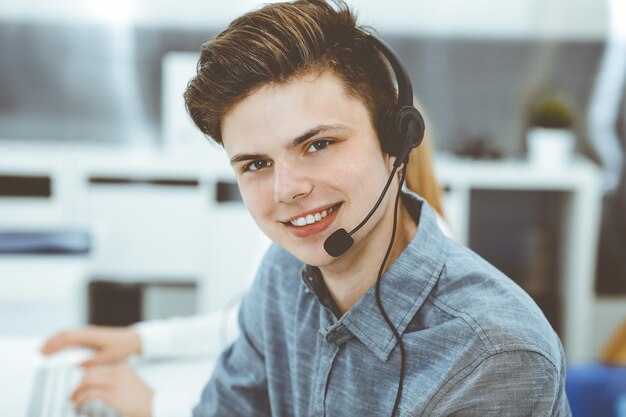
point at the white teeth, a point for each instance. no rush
(311, 218)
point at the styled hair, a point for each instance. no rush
(275, 44)
(282, 41)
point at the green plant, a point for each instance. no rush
(551, 113)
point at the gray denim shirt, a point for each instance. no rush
(476, 344)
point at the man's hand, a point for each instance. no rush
(111, 344)
(118, 386)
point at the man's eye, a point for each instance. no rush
(257, 165)
(318, 145)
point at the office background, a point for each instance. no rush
(90, 107)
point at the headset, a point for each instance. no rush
(400, 130)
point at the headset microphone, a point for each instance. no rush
(340, 241)
(400, 129)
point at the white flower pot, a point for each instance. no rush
(550, 148)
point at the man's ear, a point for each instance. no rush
(390, 160)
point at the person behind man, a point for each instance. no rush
(296, 93)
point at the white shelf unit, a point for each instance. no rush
(581, 183)
(141, 230)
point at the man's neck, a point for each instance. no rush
(349, 279)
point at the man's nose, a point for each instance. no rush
(290, 183)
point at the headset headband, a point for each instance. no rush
(405, 89)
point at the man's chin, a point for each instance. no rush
(309, 251)
(318, 258)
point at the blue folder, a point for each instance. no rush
(56, 242)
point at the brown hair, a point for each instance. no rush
(281, 41)
(277, 43)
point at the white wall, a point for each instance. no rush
(513, 18)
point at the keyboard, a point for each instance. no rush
(55, 380)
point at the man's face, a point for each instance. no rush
(307, 161)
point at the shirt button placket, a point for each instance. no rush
(327, 355)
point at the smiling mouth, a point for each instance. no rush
(313, 223)
(313, 218)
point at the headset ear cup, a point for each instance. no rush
(410, 127)
(401, 129)
(388, 131)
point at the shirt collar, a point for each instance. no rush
(403, 289)
(314, 282)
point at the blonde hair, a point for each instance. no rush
(420, 176)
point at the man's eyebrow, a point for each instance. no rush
(241, 157)
(314, 131)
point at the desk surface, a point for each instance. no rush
(183, 380)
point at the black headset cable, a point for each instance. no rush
(379, 301)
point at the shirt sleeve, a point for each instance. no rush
(206, 334)
(507, 384)
(238, 386)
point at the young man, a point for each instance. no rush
(294, 92)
